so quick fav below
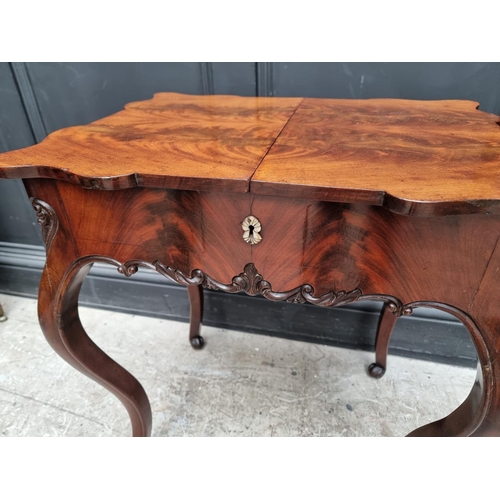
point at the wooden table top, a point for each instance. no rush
(413, 157)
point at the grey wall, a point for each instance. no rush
(38, 98)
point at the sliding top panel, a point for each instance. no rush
(413, 157)
(171, 141)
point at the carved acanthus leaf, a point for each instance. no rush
(249, 281)
(47, 218)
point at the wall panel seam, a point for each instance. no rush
(28, 98)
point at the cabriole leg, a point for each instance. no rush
(58, 314)
(195, 293)
(384, 332)
(479, 414)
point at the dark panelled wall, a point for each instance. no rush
(38, 98)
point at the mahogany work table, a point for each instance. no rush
(304, 200)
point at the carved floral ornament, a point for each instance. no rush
(47, 218)
(252, 282)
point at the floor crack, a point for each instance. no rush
(44, 403)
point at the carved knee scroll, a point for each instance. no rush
(47, 218)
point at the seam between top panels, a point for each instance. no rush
(272, 144)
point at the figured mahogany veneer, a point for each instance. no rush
(357, 200)
(412, 157)
(171, 141)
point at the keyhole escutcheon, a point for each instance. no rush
(251, 230)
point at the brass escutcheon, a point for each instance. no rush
(251, 228)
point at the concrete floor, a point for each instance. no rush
(241, 384)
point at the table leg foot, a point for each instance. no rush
(384, 332)
(195, 293)
(197, 342)
(376, 371)
(60, 322)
